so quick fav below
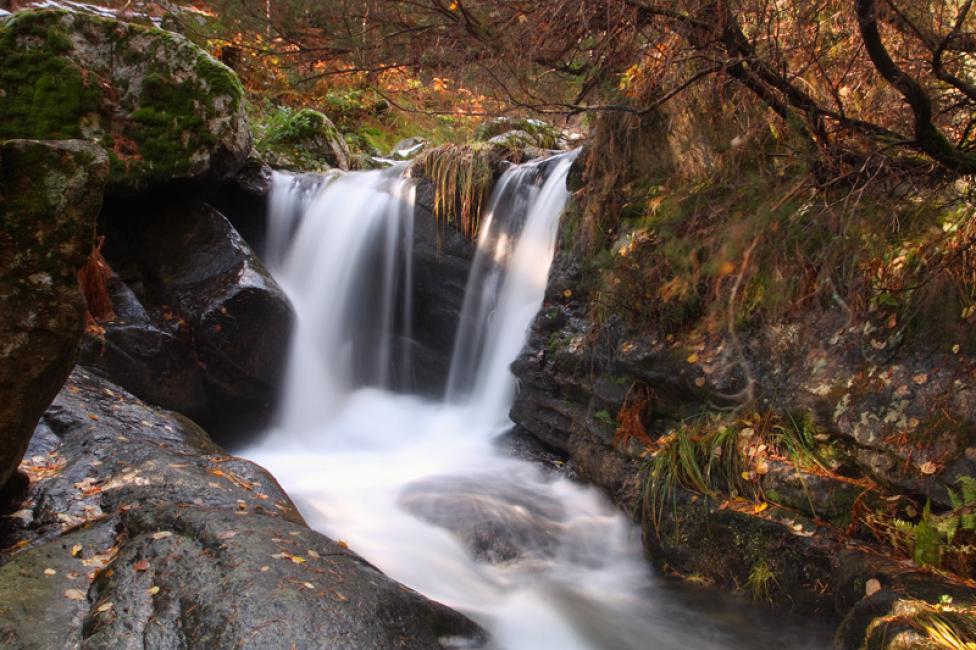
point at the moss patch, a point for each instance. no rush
(159, 104)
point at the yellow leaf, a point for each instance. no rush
(153, 590)
(760, 507)
(104, 607)
(75, 550)
(74, 594)
(872, 587)
(693, 358)
(297, 559)
(453, 6)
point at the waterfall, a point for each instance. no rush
(420, 487)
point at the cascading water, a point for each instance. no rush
(419, 487)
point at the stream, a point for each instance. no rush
(420, 487)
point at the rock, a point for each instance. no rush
(145, 533)
(301, 141)
(442, 259)
(520, 141)
(408, 148)
(149, 357)
(539, 133)
(163, 108)
(238, 317)
(50, 196)
(493, 519)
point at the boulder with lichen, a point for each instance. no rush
(162, 107)
(50, 196)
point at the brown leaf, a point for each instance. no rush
(141, 565)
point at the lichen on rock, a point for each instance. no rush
(161, 106)
(50, 196)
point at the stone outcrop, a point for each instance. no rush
(163, 108)
(50, 195)
(139, 531)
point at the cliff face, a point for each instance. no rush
(808, 459)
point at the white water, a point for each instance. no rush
(420, 487)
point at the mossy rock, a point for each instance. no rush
(536, 132)
(162, 107)
(50, 197)
(301, 140)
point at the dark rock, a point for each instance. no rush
(135, 498)
(442, 259)
(50, 195)
(238, 316)
(161, 106)
(780, 556)
(494, 519)
(154, 360)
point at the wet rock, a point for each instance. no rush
(163, 108)
(494, 519)
(151, 358)
(50, 195)
(442, 259)
(885, 601)
(144, 532)
(776, 556)
(238, 316)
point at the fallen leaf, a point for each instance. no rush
(760, 507)
(25, 515)
(265, 569)
(74, 594)
(920, 378)
(50, 572)
(693, 358)
(872, 587)
(153, 590)
(104, 607)
(928, 468)
(297, 559)
(141, 565)
(227, 534)
(309, 585)
(342, 544)
(312, 553)
(163, 534)
(75, 550)
(700, 382)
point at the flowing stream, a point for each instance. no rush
(420, 487)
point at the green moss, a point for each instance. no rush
(603, 416)
(45, 94)
(49, 93)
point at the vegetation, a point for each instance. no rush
(463, 176)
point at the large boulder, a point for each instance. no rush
(50, 195)
(238, 317)
(162, 107)
(139, 532)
